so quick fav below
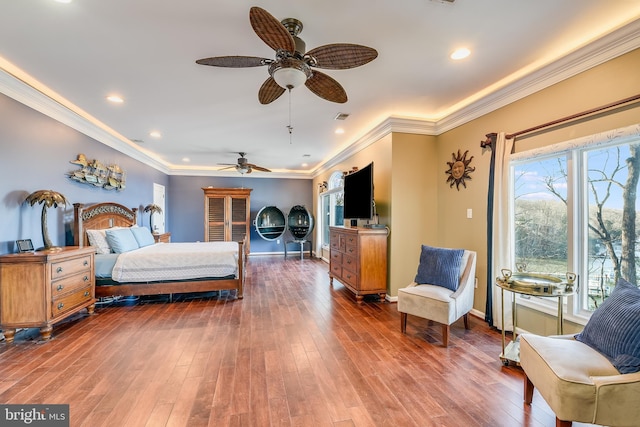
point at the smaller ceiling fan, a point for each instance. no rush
(243, 166)
(293, 64)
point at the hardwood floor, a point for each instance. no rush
(293, 352)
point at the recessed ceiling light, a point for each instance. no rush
(339, 131)
(186, 159)
(63, 1)
(115, 99)
(304, 165)
(155, 134)
(461, 53)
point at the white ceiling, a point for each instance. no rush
(76, 54)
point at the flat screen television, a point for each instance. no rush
(358, 194)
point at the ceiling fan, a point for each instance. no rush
(292, 65)
(243, 166)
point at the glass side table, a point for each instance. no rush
(531, 284)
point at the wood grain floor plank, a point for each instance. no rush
(295, 351)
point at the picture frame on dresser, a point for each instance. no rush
(24, 245)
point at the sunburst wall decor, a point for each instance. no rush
(459, 170)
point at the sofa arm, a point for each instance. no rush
(617, 398)
(621, 380)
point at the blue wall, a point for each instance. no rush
(35, 154)
(187, 204)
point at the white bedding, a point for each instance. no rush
(177, 261)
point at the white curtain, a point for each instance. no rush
(503, 242)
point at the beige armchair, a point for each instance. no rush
(577, 382)
(438, 303)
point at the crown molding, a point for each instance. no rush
(31, 93)
(393, 124)
(200, 171)
(614, 44)
(606, 48)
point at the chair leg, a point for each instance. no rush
(466, 321)
(528, 390)
(562, 423)
(403, 322)
(445, 335)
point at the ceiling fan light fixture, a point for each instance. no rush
(289, 72)
(289, 78)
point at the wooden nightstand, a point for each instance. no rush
(38, 289)
(164, 237)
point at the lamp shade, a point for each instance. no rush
(289, 78)
(243, 169)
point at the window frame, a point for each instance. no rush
(576, 153)
(335, 187)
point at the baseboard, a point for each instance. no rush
(290, 254)
(477, 313)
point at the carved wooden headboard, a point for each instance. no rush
(100, 216)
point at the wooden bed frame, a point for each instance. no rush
(107, 215)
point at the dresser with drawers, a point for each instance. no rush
(41, 288)
(359, 260)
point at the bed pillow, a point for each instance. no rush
(98, 239)
(440, 267)
(121, 240)
(614, 328)
(143, 236)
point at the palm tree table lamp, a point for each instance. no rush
(46, 198)
(152, 208)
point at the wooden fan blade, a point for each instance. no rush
(340, 56)
(228, 167)
(258, 168)
(234, 61)
(270, 30)
(269, 91)
(326, 87)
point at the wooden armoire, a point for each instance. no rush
(227, 215)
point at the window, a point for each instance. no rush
(331, 205)
(575, 209)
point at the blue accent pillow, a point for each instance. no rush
(614, 328)
(143, 236)
(439, 266)
(121, 240)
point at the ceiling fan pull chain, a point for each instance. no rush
(289, 127)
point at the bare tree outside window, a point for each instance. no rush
(542, 206)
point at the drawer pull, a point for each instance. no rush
(85, 278)
(349, 262)
(86, 293)
(85, 263)
(60, 305)
(59, 288)
(59, 270)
